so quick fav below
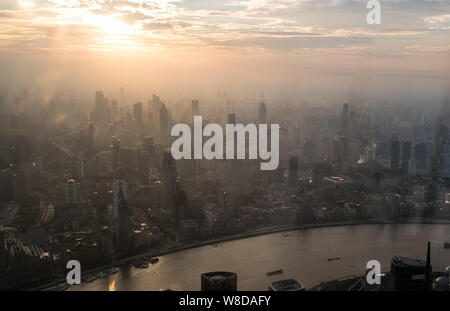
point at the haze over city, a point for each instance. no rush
(314, 50)
(225, 145)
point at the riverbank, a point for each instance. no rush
(244, 235)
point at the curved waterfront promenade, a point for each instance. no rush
(243, 235)
(301, 253)
(276, 229)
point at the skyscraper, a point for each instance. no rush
(156, 103)
(138, 114)
(121, 216)
(150, 114)
(115, 146)
(70, 192)
(138, 119)
(231, 119)
(180, 202)
(169, 179)
(195, 106)
(100, 113)
(90, 140)
(345, 116)
(421, 156)
(129, 119)
(147, 144)
(262, 113)
(406, 155)
(119, 185)
(440, 161)
(293, 170)
(124, 222)
(395, 154)
(164, 122)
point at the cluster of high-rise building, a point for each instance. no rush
(21, 264)
(103, 185)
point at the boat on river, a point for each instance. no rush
(279, 271)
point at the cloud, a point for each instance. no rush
(270, 25)
(11, 32)
(426, 49)
(441, 22)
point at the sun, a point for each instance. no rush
(109, 24)
(111, 33)
(26, 4)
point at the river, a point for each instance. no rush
(302, 254)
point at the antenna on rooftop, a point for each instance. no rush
(427, 279)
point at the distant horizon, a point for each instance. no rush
(316, 50)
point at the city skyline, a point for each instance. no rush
(286, 48)
(274, 145)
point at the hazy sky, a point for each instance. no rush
(280, 47)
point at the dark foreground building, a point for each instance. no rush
(219, 281)
(408, 274)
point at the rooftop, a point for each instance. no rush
(287, 285)
(400, 261)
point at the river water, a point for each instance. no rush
(302, 254)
